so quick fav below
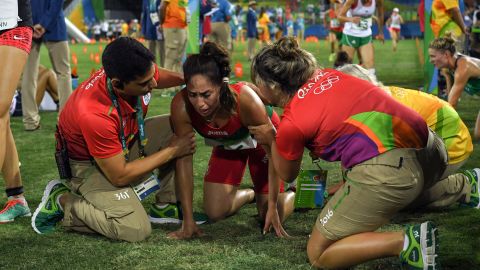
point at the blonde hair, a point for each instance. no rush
(361, 73)
(283, 65)
(445, 43)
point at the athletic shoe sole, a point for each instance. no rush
(12, 220)
(170, 221)
(477, 171)
(429, 250)
(46, 193)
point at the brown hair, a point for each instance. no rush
(445, 43)
(283, 65)
(214, 63)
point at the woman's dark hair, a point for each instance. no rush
(126, 59)
(445, 43)
(283, 65)
(342, 59)
(214, 63)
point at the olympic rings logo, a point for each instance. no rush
(324, 85)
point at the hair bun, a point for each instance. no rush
(287, 48)
(219, 55)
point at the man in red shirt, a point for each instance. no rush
(103, 131)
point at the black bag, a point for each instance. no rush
(61, 156)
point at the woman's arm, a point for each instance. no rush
(183, 171)
(460, 80)
(168, 78)
(342, 13)
(253, 113)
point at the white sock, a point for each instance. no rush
(58, 202)
(21, 198)
(371, 71)
(161, 206)
(406, 242)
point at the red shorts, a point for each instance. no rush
(394, 29)
(228, 166)
(19, 37)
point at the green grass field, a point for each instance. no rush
(235, 243)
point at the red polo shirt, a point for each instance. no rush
(90, 123)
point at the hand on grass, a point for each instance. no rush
(186, 232)
(272, 219)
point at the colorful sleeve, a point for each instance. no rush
(290, 141)
(449, 4)
(101, 135)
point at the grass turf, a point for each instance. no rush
(235, 243)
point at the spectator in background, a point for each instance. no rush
(124, 28)
(150, 22)
(263, 21)
(300, 27)
(252, 33)
(475, 37)
(220, 31)
(446, 17)
(49, 28)
(234, 26)
(97, 31)
(46, 82)
(205, 20)
(173, 20)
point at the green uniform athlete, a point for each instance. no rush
(465, 69)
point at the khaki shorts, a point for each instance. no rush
(375, 190)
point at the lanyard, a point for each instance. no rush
(141, 123)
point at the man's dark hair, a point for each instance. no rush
(126, 59)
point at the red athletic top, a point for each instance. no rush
(90, 123)
(232, 131)
(342, 118)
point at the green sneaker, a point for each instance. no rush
(331, 57)
(14, 208)
(422, 247)
(172, 213)
(473, 176)
(48, 213)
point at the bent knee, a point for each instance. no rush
(215, 215)
(133, 233)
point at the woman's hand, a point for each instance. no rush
(264, 134)
(272, 219)
(186, 232)
(183, 145)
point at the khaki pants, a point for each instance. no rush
(59, 53)
(453, 187)
(378, 188)
(157, 46)
(96, 206)
(175, 45)
(251, 47)
(220, 34)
